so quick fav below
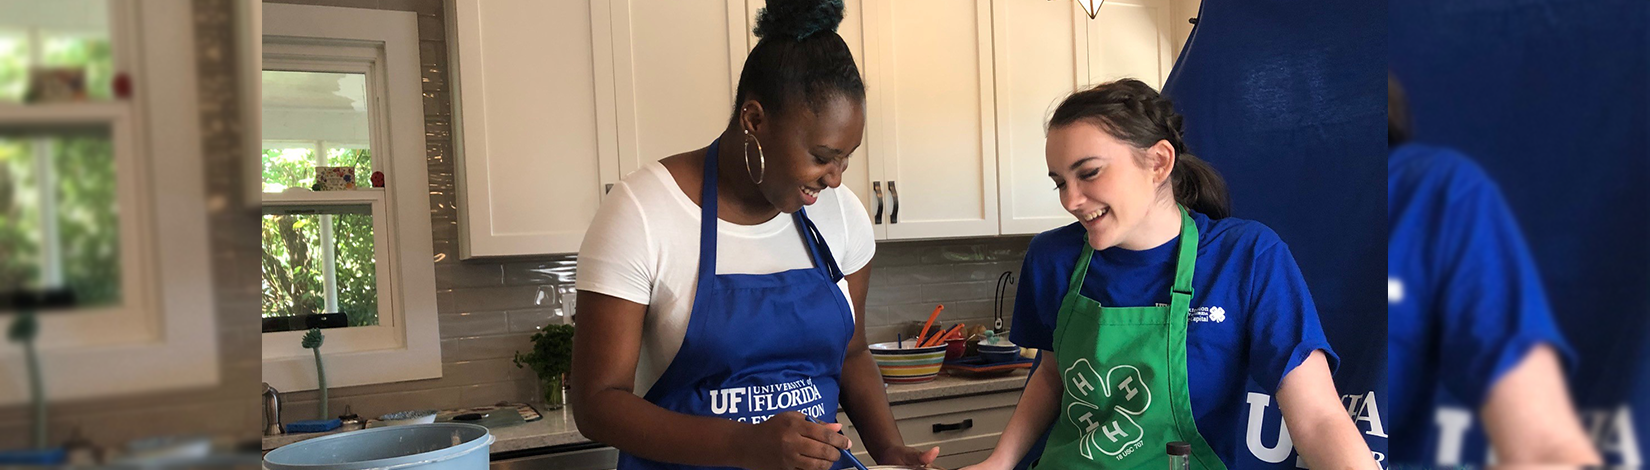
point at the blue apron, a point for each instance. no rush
(757, 344)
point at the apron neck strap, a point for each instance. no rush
(707, 214)
(1185, 260)
(1076, 282)
(817, 248)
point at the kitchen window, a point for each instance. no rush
(340, 89)
(59, 222)
(96, 189)
(320, 258)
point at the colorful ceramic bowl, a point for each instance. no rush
(904, 365)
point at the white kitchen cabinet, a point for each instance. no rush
(558, 100)
(528, 149)
(673, 70)
(1044, 52)
(931, 123)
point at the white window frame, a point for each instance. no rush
(406, 344)
(249, 50)
(367, 60)
(358, 338)
(162, 335)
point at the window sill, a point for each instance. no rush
(352, 356)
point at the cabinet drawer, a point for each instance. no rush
(950, 427)
(956, 425)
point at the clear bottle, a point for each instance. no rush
(1180, 456)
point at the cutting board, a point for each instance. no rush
(496, 416)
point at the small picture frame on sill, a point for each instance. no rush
(56, 85)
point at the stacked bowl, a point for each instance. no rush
(905, 363)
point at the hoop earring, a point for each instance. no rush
(762, 161)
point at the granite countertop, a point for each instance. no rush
(557, 427)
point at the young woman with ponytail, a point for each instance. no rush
(1155, 310)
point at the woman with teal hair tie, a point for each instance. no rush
(722, 290)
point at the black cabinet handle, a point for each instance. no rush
(894, 217)
(876, 187)
(1191, 20)
(965, 424)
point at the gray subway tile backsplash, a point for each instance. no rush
(459, 275)
(430, 26)
(560, 270)
(467, 274)
(942, 273)
(484, 347)
(958, 291)
(887, 295)
(501, 298)
(483, 371)
(460, 325)
(880, 315)
(528, 321)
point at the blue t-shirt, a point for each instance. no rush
(1251, 315)
(1464, 300)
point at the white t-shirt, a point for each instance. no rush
(643, 246)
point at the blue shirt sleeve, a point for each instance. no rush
(1038, 293)
(1283, 322)
(1492, 306)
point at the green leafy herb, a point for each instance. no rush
(552, 353)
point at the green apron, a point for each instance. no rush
(1124, 370)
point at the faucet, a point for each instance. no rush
(272, 411)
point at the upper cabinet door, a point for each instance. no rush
(666, 73)
(1132, 39)
(528, 170)
(858, 176)
(930, 63)
(1042, 51)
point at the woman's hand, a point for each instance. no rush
(907, 455)
(788, 441)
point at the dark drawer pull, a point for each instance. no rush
(876, 187)
(965, 424)
(893, 218)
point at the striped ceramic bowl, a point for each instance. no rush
(904, 365)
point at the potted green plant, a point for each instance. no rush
(551, 358)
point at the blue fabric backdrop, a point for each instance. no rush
(1549, 96)
(1287, 99)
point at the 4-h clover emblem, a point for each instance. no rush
(1103, 407)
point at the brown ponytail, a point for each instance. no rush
(1397, 113)
(1131, 111)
